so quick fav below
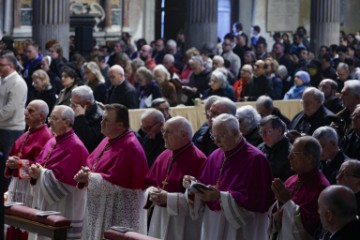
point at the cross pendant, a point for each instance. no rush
(164, 183)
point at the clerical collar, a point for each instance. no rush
(235, 149)
(179, 150)
(111, 141)
(65, 135)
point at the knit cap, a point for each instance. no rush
(304, 76)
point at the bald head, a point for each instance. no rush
(116, 75)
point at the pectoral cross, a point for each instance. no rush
(164, 183)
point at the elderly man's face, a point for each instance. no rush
(348, 99)
(310, 104)
(299, 162)
(259, 68)
(168, 63)
(173, 138)
(343, 74)
(355, 120)
(347, 177)
(151, 127)
(215, 110)
(325, 87)
(165, 109)
(33, 116)
(115, 77)
(57, 124)
(323, 212)
(222, 137)
(196, 68)
(270, 135)
(328, 148)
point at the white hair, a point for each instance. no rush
(66, 113)
(228, 121)
(155, 114)
(182, 125)
(326, 133)
(169, 57)
(251, 118)
(84, 93)
(42, 107)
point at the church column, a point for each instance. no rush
(51, 21)
(8, 17)
(106, 4)
(201, 23)
(325, 23)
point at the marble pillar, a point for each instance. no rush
(51, 21)
(325, 23)
(106, 4)
(8, 17)
(201, 23)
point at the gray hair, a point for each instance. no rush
(220, 58)
(117, 68)
(197, 60)
(153, 113)
(312, 147)
(11, 59)
(220, 77)
(171, 43)
(84, 93)
(354, 86)
(317, 94)
(42, 106)
(342, 65)
(355, 165)
(210, 100)
(326, 133)
(67, 113)
(228, 121)
(265, 101)
(182, 125)
(169, 57)
(230, 105)
(250, 116)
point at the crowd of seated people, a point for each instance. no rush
(120, 173)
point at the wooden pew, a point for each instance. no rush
(53, 226)
(111, 234)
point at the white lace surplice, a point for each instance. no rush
(110, 205)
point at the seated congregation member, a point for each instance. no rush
(167, 85)
(43, 90)
(260, 84)
(170, 218)
(314, 115)
(95, 80)
(249, 120)
(202, 138)
(23, 153)
(265, 107)
(332, 100)
(351, 142)
(246, 74)
(218, 84)
(121, 91)
(349, 176)
(53, 184)
(163, 106)
(332, 156)
(294, 214)
(148, 89)
(199, 79)
(275, 146)
(338, 213)
(301, 81)
(238, 179)
(350, 96)
(114, 177)
(152, 121)
(88, 116)
(69, 78)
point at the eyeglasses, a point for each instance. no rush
(215, 137)
(266, 132)
(148, 128)
(54, 119)
(344, 173)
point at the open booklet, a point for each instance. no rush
(196, 187)
(47, 213)
(9, 204)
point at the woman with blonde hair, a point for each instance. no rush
(43, 88)
(147, 87)
(170, 88)
(95, 80)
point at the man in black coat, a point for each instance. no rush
(332, 156)
(314, 115)
(275, 146)
(337, 210)
(121, 91)
(88, 116)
